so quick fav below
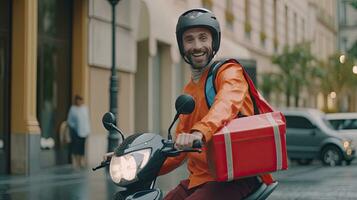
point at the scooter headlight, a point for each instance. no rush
(126, 167)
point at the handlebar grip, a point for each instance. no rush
(197, 144)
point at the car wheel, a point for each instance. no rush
(304, 161)
(331, 156)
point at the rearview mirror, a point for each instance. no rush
(184, 104)
(108, 121)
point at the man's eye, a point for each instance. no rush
(189, 40)
(203, 38)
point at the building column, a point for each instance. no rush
(25, 130)
(80, 69)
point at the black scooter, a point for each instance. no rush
(137, 161)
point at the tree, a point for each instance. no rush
(339, 78)
(303, 66)
(295, 64)
(353, 50)
(285, 63)
(269, 84)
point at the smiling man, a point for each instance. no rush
(197, 44)
(198, 36)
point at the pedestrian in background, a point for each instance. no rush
(78, 122)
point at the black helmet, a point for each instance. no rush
(198, 17)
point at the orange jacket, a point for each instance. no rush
(232, 97)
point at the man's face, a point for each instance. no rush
(197, 44)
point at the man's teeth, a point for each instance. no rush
(198, 54)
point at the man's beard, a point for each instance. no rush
(190, 55)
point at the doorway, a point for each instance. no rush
(53, 75)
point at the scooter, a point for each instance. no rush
(136, 162)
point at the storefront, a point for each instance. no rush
(54, 51)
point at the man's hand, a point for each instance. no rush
(108, 156)
(185, 140)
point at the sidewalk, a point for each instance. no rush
(63, 182)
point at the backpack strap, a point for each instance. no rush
(259, 104)
(210, 88)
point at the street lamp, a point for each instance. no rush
(113, 136)
(354, 69)
(342, 59)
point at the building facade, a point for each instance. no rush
(47, 56)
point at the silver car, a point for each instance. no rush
(343, 121)
(310, 136)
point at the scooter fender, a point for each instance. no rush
(153, 194)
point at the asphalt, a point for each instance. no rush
(63, 182)
(313, 182)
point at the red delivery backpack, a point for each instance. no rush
(248, 145)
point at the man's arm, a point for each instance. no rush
(232, 90)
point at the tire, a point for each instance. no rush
(331, 156)
(304, 161)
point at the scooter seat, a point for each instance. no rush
(263, 191)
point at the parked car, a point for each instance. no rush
(310, 136)
(343, 121)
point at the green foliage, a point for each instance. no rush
(353, 3)
(298, 71)
(270, 83)
(295, 65)
(353, 50)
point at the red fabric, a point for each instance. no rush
(253, 147)
(234, 190)
(263, 107)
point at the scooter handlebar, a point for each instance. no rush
(197, 144)
(102, 164)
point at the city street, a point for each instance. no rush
(299, 182)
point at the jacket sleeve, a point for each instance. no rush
(232, 89)
(173, 162)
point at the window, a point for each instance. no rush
(5, 56)
(344, 14)
(336, 124)
(286, 26)
(295, 28)
(53, 64)
(229, 14)
(207, 4)
(275, 26)
(343, 124)
(303, 29)
(298, 122)
(262, 22)
(247, 24)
